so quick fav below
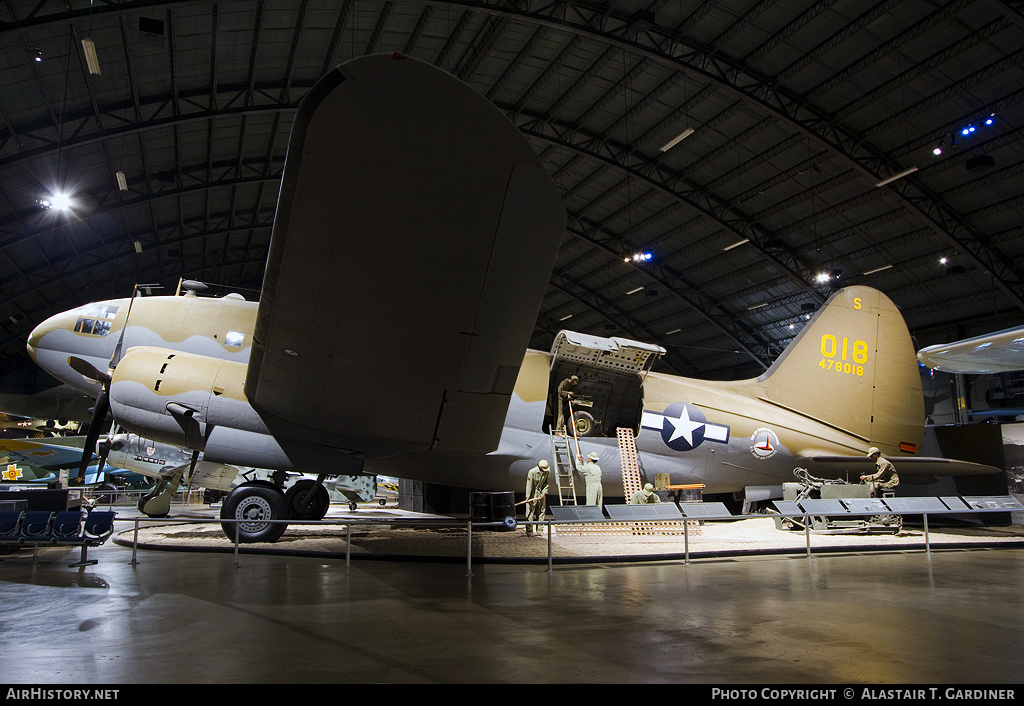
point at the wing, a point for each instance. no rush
(42, 454)
(415, 234)
(1002, 351)
(215, 476)
(909, 465)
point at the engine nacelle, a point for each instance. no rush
(179, 398)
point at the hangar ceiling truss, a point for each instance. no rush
(797, 111)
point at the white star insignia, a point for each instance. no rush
(683, 426)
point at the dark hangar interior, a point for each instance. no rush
(822, 144)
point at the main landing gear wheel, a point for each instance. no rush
(314, 508)
(106, 493)
(254, 505)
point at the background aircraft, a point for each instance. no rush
(1001, 351)
(415, 234)
(42, 460)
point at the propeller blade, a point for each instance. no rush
(98, 417)
(88, 370)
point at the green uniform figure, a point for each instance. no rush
(591, 473)
(645, 496)
(565, 393)
(884, 476)
(536, 495)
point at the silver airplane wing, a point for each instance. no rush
(1002, 351)
(415, 235)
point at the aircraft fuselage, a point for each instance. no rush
(712, 433)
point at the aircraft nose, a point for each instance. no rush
(37, 335)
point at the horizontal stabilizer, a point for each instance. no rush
(911, 466)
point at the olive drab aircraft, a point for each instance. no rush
(415, 234)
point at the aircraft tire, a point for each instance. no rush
(253, 503)
(106, 492)
(321, 503)
(584, 423)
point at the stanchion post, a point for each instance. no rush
(469, 548)
(548, 525)
(348, 546)
(135, 544)
(686, 541)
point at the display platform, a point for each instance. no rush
(393, 533)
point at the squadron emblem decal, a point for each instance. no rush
(683, 427)
(764, 443)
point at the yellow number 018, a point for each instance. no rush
(842, 356)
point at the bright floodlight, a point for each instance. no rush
(61, 202)
(822, 277)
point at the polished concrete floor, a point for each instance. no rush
(948, 617)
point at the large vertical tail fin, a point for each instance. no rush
(853, 367)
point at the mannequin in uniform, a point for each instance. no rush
(645, 496)
(591, 473)
(884, 476)
(536, 495)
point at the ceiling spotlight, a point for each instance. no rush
(990, 119)
(37, 55)
(61, 202)
(943, 260)
(822, 277)
(937, 151)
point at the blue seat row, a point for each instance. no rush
(35, 528)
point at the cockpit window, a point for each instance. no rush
(234, 339)
(99, 311)
(96, 319)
